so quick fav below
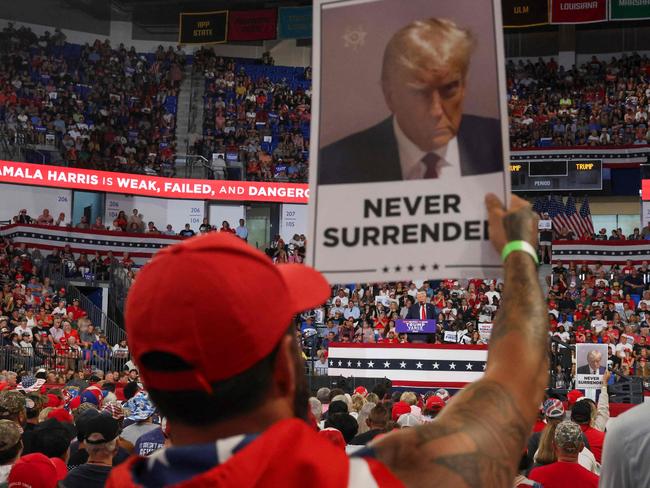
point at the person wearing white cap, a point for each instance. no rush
(408, 420)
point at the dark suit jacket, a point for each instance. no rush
(372, 154)
(414, 312)
(363, 439)
(586, 370)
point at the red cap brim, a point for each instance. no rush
(307, 287)
(61, 468)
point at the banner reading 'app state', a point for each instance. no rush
(524, 13)
(629, 9)
(578, 11)
(202, 27)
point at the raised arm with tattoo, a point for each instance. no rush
(478, 440)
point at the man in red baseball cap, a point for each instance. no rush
(237, 408)
(432, 407)
(37, 471)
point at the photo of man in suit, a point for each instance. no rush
(593, 366)
(423, 79)
(421, 310)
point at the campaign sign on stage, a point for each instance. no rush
(484, 331)
(409, 133)
(591, 364)
(415, 326)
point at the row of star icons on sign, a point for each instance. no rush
(419, 365)
(607, 253)
(103, 243)
(410, 268)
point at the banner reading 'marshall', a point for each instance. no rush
(578, 11)
(152, 186)
(629, 9)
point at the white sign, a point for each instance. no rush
(485, 331)
(591, 364)
(450, 336)
(398, 187)
(293, 220)
(545, 225)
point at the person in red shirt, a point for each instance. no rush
(127, 262)
(225, 227)
(565, 472)
(581, 414)
(76, 310)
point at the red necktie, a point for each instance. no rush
(431, 161)
(423, 312)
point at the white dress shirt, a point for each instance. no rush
(410, 157)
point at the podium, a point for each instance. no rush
(415, 326)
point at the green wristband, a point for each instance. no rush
(519, 246)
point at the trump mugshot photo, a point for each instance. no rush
(422, 102)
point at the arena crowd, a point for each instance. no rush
(57, 367)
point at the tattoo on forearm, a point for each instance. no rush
(473, 443)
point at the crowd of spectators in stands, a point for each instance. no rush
(105, 108)
(42, 326)
(599, 103)
(114, 109)
(280, 251)
(260, 121)
(566, 234)
(586, 304)
(70, 368)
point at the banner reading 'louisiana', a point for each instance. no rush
(578, 11)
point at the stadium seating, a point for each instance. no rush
(101, 107)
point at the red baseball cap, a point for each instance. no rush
(233, 302)
(60, 414)
(435, 403)
(74, 403)
(334, 436)
(361, 390)
(53, 401)
(573, 396)
(400, 408)
(37, 470)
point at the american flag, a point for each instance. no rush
(577, 222)
(540, 205)
(555, 207)
(585, 216)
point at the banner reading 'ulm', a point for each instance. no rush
(524, 13)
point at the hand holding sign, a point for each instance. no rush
(519, 223)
